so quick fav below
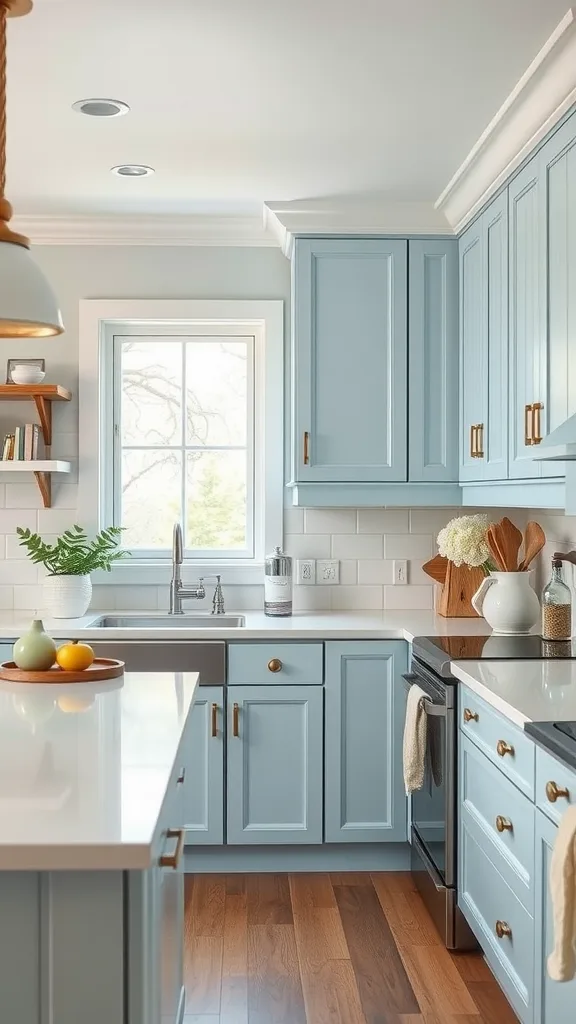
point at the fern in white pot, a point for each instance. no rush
(69, 562)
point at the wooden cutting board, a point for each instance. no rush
(101, 668)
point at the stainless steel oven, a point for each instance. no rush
(433, 810)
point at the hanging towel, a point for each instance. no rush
(415, 727)
(562, 960)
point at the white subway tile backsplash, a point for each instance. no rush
(375, 570)
(134, 598)
(22, 496)
(2, 495)
(356, 545)
(383, 520)
(348, 572)
(6, 598)
(432, 520)
(28, 598)
(307, 545)
(64, 495)
(55, 520)
(355, 598)
(11, 518)
(408, 597)
(14, 571)
(408, 545)
(293, 520)
(312, 599)
(330, 520)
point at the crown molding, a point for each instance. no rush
(44, 229)
(541, 97)
(351, 216)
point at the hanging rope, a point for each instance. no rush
(3, 19)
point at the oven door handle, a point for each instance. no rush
(431, 709)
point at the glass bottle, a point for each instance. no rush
(556, 606)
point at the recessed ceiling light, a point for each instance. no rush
(101, 108)
(132, 171)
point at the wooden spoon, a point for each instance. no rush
(493, 541)
(510, 545)
(534, 541)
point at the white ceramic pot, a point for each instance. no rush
(507, 602)
(22, 373)
(67, 597)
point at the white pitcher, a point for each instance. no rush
(507, 602)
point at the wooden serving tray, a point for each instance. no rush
(101, 668)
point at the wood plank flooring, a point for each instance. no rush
(326, 949)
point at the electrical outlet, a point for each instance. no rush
(400, 571)
(305, 571)
(327, 570)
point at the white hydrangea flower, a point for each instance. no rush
(463, 540)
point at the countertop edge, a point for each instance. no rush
(491, 698)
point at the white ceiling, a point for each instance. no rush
(239, 101)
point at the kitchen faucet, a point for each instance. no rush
(197, 591)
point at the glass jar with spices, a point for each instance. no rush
(556, 606)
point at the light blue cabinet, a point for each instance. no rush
(203, 762)
(365, 700)
(554, 1002)
(484, 346)
(433, 360)
(275, 777)
(349, 360)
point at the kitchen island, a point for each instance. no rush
(91, 884)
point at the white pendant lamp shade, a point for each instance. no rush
(28, 306)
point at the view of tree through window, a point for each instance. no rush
(184, 443)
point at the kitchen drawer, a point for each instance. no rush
(550, 770)
(486, 900)
(505, 744)
(493, 804)
(272, 662)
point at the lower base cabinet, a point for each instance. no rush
(204, 769)
(364, 798)
(554, 1002)
(274, 764)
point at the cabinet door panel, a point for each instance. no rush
(275, 764)
(433, 360)
(495, 436)
(554, 1003)
(528, 363)
(365, 701)
(349, 359)
(473, 352)
(204, 764)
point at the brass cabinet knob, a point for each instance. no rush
(503, 824)
(554, 792)
(275, 665)
(503, 748)
(470, 716)
(503, 930)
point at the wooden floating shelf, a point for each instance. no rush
(42, 395)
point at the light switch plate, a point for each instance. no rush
(400, 571)
(327, 571)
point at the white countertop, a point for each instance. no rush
(397, 625)
(85, 790)
(524, 691)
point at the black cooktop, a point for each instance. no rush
(559, 738)
(438, 651)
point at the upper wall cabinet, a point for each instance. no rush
(374, 371)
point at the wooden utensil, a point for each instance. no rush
(534, 541)
(493, 541)
(437, 568)
(510, 545)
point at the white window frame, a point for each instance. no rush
(100, 320)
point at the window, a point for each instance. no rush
(189, 414)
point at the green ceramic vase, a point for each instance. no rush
(35, 651)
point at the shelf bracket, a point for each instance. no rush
(44, 410)
(44, 481)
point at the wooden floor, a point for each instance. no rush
(326, 949)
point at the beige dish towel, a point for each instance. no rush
(415, 739)
(562, 960)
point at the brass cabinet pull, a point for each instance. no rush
(480, 445)
(275, 665)
(470, 716)
(503, 825)
(172, 860)
(306, 448)
(181, 777)
(503, 748)
(472, 441)
(536, 427)
(214, 720)
(235, 720)
(555, 792)
(503, 930)
(528, 429)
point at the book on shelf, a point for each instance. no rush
(22, 445)
(8, 447)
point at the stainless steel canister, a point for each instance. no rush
(278, 583)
